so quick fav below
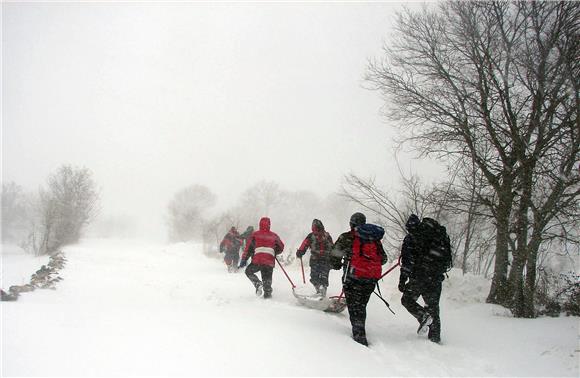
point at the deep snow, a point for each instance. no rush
(129, 308)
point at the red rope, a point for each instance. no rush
(286, 274)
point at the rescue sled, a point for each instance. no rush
(333, 304)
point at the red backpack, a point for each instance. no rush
(367, 252)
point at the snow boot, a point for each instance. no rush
(424, 324)
(322, 291)
(361, 339)
(267, 295)
(259, 290)
(435, 339)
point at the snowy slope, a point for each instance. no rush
(127, 308)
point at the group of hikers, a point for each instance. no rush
(425, 258)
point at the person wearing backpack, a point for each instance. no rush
(320, 243)
(262, 246)
(230, 247)
(244, 236)
(425, 257)
(361, 255)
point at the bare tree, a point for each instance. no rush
(495, 83)
(63, 210)
(187, 213)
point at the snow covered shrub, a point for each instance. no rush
(558, 293)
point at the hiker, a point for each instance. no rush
(320, 244)
(263, 245)
(425, 257)
(244, 236)
(230, 246)
(361, 255)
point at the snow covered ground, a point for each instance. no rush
(129, 308)
(16, 266)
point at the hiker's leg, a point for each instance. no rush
(315, 272)
(235, 259)
(431, 296)
(267, 280)
(357, 294)
(251, 274)
(409, 299)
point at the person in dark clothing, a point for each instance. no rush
(230, 246)
(246, 234)
(418, 278)
(263, 245)
(320, 244)
(357, 290)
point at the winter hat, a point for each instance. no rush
(357, 219)
(412, 222)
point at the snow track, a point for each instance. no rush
(133, 309)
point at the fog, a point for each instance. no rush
(153, 97)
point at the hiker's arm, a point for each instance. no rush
(303, 247)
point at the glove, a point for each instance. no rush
(402, 282)
(299, 254)
(242, 264)
(335, 263)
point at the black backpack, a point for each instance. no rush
(436, 247)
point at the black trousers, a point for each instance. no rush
(266, 273)
(232, 258)
(357, 293)
(319, 269)
(430, 290)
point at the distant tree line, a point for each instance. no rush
(55, 216)
(191, 215)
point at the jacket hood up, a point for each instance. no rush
(317, 226)
(265, 224)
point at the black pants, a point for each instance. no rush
(265, 272)
(430, 290)
(319, 269)
(357, 293)
(231, 258)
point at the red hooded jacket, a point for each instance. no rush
(319, 241)
(263, 245)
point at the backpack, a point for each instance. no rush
(366, 260)
(436, 248)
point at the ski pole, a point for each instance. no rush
(286, 274)
(302, 266)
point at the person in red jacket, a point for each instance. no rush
(230, 247)
(320, 244)
(263, 245)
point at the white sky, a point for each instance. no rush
(153, 96)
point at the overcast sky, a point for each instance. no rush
(153, 97)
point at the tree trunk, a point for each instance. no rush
(499, 290)
(531, 268)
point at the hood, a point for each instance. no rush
(412, 223)
(265, 224)
(317, 226)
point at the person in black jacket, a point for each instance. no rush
(320, 244)
(419, 277)
(357, 289)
